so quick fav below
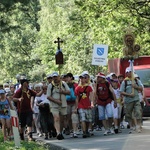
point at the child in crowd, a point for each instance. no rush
(5, 106)
(117, 110)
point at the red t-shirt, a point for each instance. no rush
(103, 94)
(83, 96)
(25, 104)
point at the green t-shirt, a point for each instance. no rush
(128, 90)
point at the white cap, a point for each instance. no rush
(128, 69)
(55, 74)
(85, 73)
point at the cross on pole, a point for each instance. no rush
(58, 41)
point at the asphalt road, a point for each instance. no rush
(121, 141)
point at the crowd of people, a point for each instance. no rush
(62, 105)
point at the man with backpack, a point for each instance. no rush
(56, 93)
(104, 96)
(131, 99)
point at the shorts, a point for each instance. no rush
(116, 111)
(85, 115)
(133, 108)
(105, 112)
(70, 108)
(26, 118)
(59, 111)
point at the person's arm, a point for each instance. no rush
(114, 96)
(66, 91)
(58, 101)
(137, 87)
(76, 104)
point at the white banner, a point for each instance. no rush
(100, 53)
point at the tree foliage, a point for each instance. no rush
(30, 27)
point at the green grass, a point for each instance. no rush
(10, 145)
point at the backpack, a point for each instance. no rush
(125, 81)
(53, 87)
(72, 96)
(109, 92)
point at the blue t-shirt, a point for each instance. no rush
(4, 109)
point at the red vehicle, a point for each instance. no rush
(141, 68)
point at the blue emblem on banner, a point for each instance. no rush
(100, 51)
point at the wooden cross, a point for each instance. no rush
(58, 41)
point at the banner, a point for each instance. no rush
(100, 53)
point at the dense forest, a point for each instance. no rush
(28, 29)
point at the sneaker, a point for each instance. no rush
(84, 135)
(116, 131)
(122, 126)
(98, 128)
(91, 132)
(67, 131)
(112, 131)
(59, 137)
(106, 132)
(40, 135)
(128, 126)
(46, 138)
(62, 136)
(31, 139)
(131, 131)
(54, 133)
(119, 131)
(74, 135)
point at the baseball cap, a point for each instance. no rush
(23, 80)
(2, 92)
(102, 75)
(49, 76)
(128, 69)
(55, 74)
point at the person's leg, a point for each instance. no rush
(109, 114)
(67, 123)
(8, 125)
(3, 121)
(22, 122)
(29, 121)
(101, 114)
(115, 116)
(129, 111)
(138, 115)
(83, 121)
(75, 121)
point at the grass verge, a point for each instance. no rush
(10, 145)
